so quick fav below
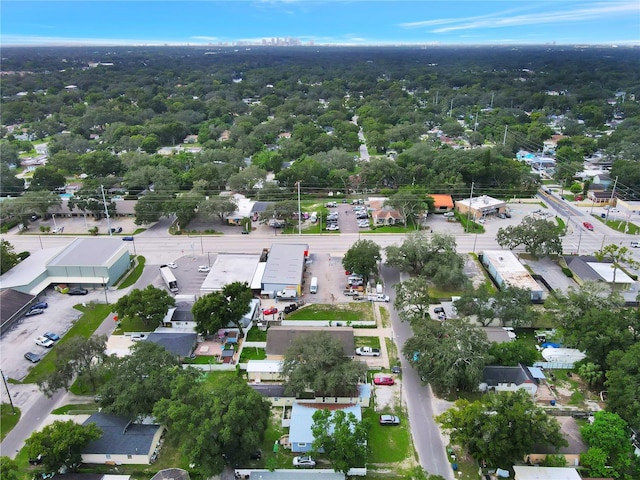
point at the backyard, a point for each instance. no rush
(342, 312)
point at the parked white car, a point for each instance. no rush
(44, 342)
(172, 265)
(204, 268)
(304, 462)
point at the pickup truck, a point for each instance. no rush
(368, 351)
(351, 292)
(379, 298)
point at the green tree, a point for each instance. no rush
(283, 211)
(11, 186)
(9, 469)
(61, 444)
(246, 179)
(151, 207)
(47, 178)
(476, 304)
(341, 437)
(77, 357)
(511, 354)
(412, 299)
(221, 309)
(433, 256)
(362, 258)
(410, 202)
(512, 306)
(540, 237)
(184, 208)
(148, 306)
(617, 255)
(595, 461)
(623, 384)
(41, 202)
(89, 199)
(138, 380)
(449, 356)
(501, 429)
(591, 373)
(315, 362)
(218, 206)
(213, 422)
(8, 259)
(608, 432)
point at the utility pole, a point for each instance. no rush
(4, 379)
(504, 140)
(451, 108)
(106, 210)
(469, 210)
(613, 192)
(475, 124)
(492, 94)
(299, 211)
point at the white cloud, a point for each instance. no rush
(506, 19)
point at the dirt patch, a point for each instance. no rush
(387, 397)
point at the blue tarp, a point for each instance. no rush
(551, 345)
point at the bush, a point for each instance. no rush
(567, 272)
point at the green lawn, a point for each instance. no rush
(620, 225)
(252, 353)
(256, 335)
(76, 409)
(388, 444)
(373, 342)
(342, 312)
(391, 229)
(134, 274)
(8, 419)
(385, 315)
(467, 466)
(93, 315)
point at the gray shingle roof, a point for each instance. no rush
(494, 375)
(279, 339)
(119, 436)
(181, 344)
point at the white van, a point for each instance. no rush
(313, 288)
(635, 244)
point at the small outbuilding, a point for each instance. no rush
(507, 271)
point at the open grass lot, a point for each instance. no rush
(93, 316)
(467, 468)
(619, 225)
(8, 419)
(389, 444)
(385, 316)
(342, 312)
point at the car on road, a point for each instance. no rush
(304, 462)
(383, 380)
(270, 311)
(41, 305)
(32, 357)
(389, 420)
(138, 337)
(77, 291)
(172, 265)
(635, 244)
(52, 336)
(127, 239)
(204, 268)
(34, 311)
(44, 342)
(588, 226)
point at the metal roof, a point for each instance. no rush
(89, 252)
(285, 264)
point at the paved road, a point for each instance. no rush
(421, 403)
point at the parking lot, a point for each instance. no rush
(57, 318)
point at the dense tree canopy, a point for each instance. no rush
(148, 306)
(362, 258)
(223, 308)
(315, 362)
(501, 429)
(341, 437)
(540, 237)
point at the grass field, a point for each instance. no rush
(256, 335)
(76, 409)
(93, 315)
(620, 225)
(8, 419)
(252, 353)
(373, 342)
(342, 312)
(388, 444)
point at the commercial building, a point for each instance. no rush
(284, 267)
(229, 268)
(442, 203)
(507, 271)
(482, 206)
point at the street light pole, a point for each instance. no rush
(299, 211)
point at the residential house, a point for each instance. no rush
(122, 442)
(545, 473)
(387, 216)
(300, 434)
(276, 395)
(510, 379)
(588, 268)
(180, 344)
(279, 339)
(571, 432)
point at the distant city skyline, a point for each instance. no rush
(315, 22)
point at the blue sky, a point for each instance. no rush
(355, 22)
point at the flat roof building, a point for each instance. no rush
(507, 271)
(285, 267)
(229, 268)
(478, 207)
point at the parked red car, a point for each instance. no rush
(588, 226)
(383, 380)
(270, 311)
